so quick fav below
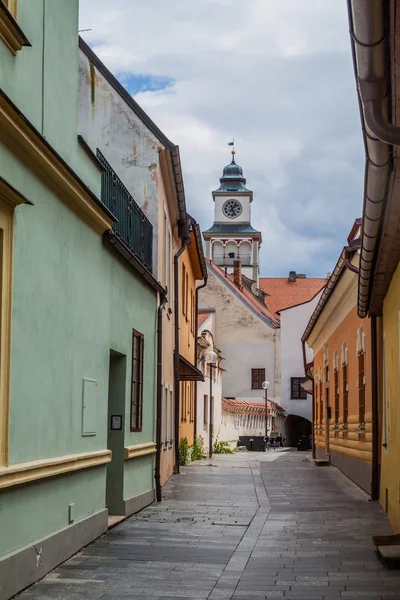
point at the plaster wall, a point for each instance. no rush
(246, 341)
(42, 80)
(203, 390)
(73, 302)
(293, 323)
(390, 469)
(108, 123)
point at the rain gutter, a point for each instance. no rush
(369, 44)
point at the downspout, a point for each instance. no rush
(375, 484)
(196, 348)
(176, 351)
(157, 474)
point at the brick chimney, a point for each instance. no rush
(292, 276)
(237, 273)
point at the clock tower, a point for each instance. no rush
(232, 237)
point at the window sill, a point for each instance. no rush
(10, 32)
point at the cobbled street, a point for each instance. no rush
(246, 526)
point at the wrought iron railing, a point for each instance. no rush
(132, 227)
(226, 261)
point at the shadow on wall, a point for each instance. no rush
(295, 427)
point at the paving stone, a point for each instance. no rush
(304, 534)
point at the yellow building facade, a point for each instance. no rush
(390, 457)
(193, 272)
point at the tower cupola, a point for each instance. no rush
(232, 179)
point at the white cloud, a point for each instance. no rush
(277, 75)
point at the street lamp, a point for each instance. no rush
(265, 385)
(211, 359)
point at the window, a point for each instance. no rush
(361, 375)
(171, 418)
(205, 411)
(137, 381)
(296, 391)
(12, 7)
(11, 35)
(193, 312)
(327, 407)
(336, 391)
(165, 417)
(345, 385)
(321, 402)
(191, 402)
(187, 296)
(361, 389)
(184, 295)
(345, 396)
(257, 378)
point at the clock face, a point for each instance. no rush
(232, 209)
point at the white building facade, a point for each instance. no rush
(293, 399)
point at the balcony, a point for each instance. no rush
(227, 261)
(132, 227)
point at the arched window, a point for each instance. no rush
(218, 253)
(245, 253)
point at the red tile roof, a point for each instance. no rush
(247, 296)
(283, 293)
(203, 316)
(250, 407)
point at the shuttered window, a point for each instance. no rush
(257, 378)
(137, 381)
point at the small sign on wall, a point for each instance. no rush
(116, 422)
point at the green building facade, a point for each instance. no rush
(77, 405)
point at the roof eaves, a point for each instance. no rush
(199, 245)
(329, 287)
(270, 321)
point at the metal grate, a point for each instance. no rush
(227, 261)
(132, 227)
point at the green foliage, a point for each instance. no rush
(184, 454)
(198, 448)
(221, 447)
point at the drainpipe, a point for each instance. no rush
(157, 476)
(348, 253)
(375, 412)
(185, 242)
(370, 46)
(196, 348)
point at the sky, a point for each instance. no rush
(277, 76)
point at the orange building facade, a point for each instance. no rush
(193, 272)
(342, 371)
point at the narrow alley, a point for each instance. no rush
(243, 526)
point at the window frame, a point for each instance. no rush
(183, 289)
(253, 376)
(295, 382)
(11, 34)
(137, 386)
(205, 411)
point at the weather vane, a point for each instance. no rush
(232, 143)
